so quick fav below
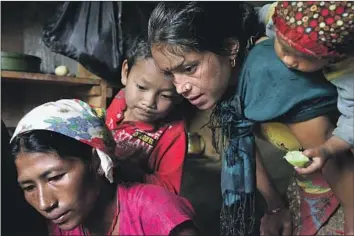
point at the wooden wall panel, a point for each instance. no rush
(11, 27)
(35, 17)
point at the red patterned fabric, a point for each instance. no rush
(316, 208)
(316, 28)
(161, 150)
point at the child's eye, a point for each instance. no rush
(167, 96)
(56, 178)
(140, 87)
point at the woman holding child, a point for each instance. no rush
(201, 47)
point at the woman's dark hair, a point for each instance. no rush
(45, 141)
(137, 48)
(202, 26)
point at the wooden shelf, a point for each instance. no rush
(47, 78)
(90, 90)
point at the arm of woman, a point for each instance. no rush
(280, 221)
(338, 171)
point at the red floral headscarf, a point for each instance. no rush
(315, 28)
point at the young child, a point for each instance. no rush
(311, 36)
(149, 135)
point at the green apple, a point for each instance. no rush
(296, 158)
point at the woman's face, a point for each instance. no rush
(202, 78)
(62, 190)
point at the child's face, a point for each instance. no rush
(297, 60)
(148, 94)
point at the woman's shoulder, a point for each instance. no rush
(144, 196)
(144, 192)
(262, 57)
(149, 194)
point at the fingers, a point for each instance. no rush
(313, 167)
(262, 228)
(268, 226)
(310, 152)
(287, 230)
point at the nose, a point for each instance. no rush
(46, 199)
(149, 100)
(182, 86)
(290, 61)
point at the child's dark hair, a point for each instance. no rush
(137, 48)
(44, 141)
(202, 26)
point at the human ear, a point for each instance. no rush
(124, 72)
(233, 46)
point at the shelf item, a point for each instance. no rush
(14, 61)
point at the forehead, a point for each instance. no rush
(148, 71)
(170, 58)
(35, 164)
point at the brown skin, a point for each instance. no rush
(339, 171)
(54, 186)
(320, 154)
(201, 78)
(70, 188)
(207, 76)
(149, 95)
(296, 60)
(280, 223)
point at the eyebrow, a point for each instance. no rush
(174, 68)
(149, 83)
(43, 175)
(184, 63)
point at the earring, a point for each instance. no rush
(233, 62)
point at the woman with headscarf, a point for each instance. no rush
(63, 158)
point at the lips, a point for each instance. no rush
(195, 100)
(194, 97)
(60, 218)
(145, 113)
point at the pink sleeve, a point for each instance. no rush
(161, 211)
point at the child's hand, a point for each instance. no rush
(319, 156)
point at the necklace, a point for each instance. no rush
(114, 222)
